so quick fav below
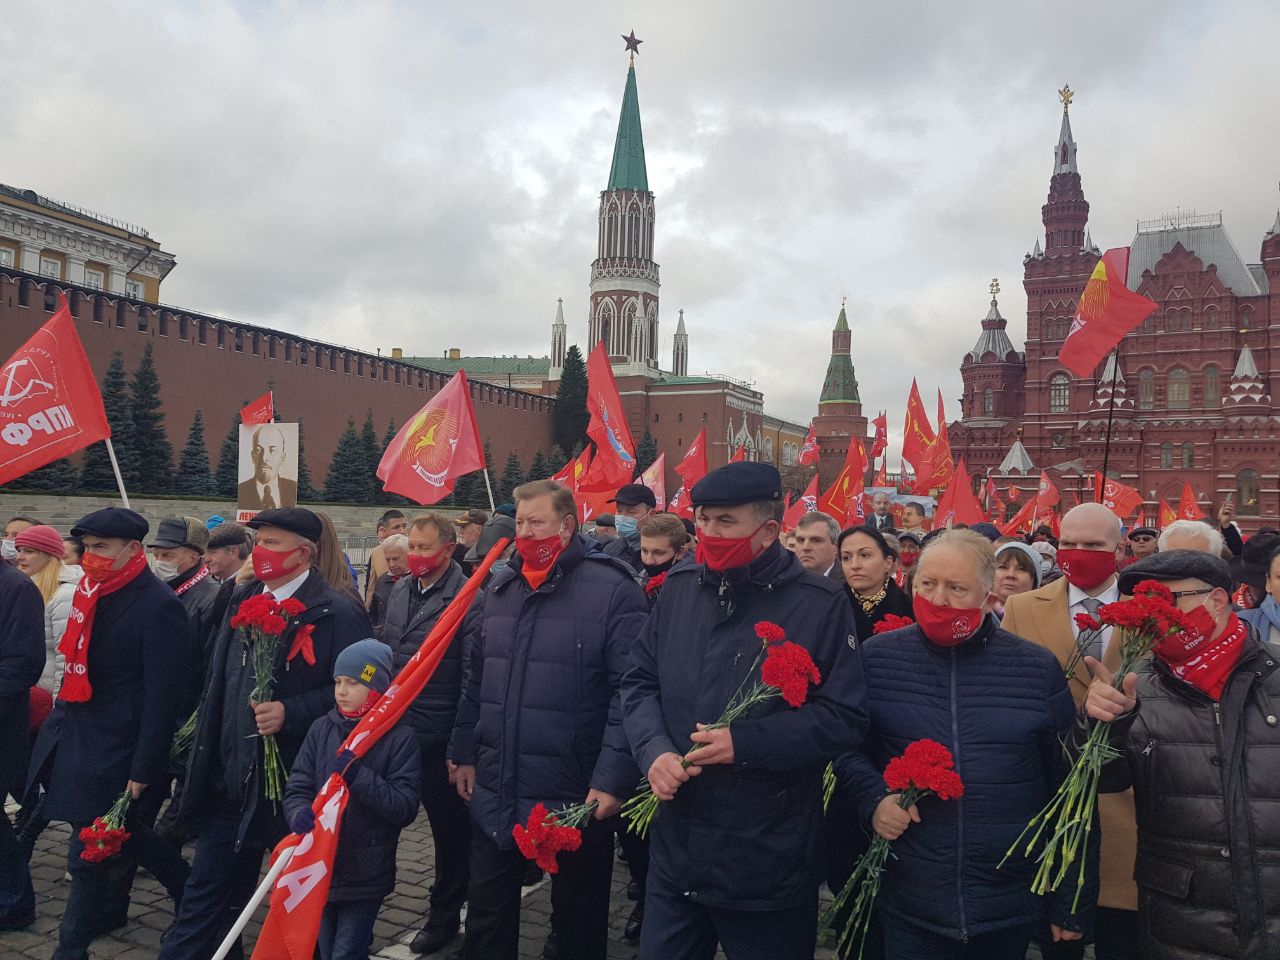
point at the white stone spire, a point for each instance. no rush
(680, 350)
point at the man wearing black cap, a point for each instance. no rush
(178, 548)
(125, 649)
(1144, 542)
(1199, 743)
(735, 850)
(223, 796)
(634, 502)
(469, 525)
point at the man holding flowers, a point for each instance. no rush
(245, 744)
(746, 633)
(1001, 706)
(1197, 738)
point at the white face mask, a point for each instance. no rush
(8, 551)
(166, 570)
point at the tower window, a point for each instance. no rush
(1246, 317)
(1247, 492)
(1059, 393)
(1178, 389)
(1166, 456)
(1188, 456)
(1146, 390)
(988, 403)
(1212, 387)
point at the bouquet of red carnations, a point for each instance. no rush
(264, 620)
(787, 671)
(546, 834)
(925, 768)
(104, 838)
(1066, 821)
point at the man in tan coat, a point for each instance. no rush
(1087, 554)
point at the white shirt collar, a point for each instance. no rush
(288, 589)
(1076, 596)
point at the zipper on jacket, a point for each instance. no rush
(955, 753)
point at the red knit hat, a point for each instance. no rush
(41, 537)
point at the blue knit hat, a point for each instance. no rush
(366, 661)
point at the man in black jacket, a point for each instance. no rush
(21, 660)
(1198, 740)
(415, 604)
(178, 549)
(224, 793)
(735, 849)
(635, 502)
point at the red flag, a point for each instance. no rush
(881, 442)
(693, 466)
(299, 893)
(1020, 522)
(940, 465)
(958, 503)
(655, 478)
(807, 503)
(1188, 507)
(593, 503)
(438, 444)
(1047, 495)
(615, 456)
(810, 453)
(49, 402)
(1108, 310)
(680, 505)
(739, 455)
(917, 436)
(262, 410)
(1167, 514)
(1120, 499)
(849, 483)
(573, 471)
(882, 475)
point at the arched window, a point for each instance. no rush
(1178, 389)
(1188, 456)
(1166, 456)
(1146, 390)
(1212, 387)
(1210, 318)
(988, 403)
(1148, 325)
(1247, 493)
(1246, 317)
(1171, 321)
(1059, 393)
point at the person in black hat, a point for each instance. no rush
(178, 551)
(605, 532)
(469, 525)
(735, 850)
(223, 795)
(1143, 542)
(634, 503)
(1252, 568)
(118, 708)
(1197, 738)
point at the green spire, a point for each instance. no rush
(841, 384)
(842, 322)
(628, 171)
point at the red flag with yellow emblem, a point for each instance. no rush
(438, 444)
(1108, 310)
(849, 484)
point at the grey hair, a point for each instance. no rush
(815, 517)
(973, 543)
(1193, 528)
(765, 510)
(397, 541)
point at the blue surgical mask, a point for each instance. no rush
(626, 527)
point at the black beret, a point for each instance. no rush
(1254, 565)
(112, 522)
(605, 520)
(988, 530)
(294, 519)
(632, 494)
(1177, 565)
(1143, 532)
(738, 483)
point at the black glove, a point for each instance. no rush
(303, 821)
(343, 762)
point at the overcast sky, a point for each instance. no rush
(426, 175)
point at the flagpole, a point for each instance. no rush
(489, 488)
(115, 466)
(233, 935)
(1111, 413)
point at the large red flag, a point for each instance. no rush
(262, 410)
(693, 466)
(1108, 310)
(807, 503)
(1167, 514)
(940, 465)
(882, 475)
(958, 503)
(810, 453)
(49, 402)
(849, 483)
(917, 436)
(1188, 507)
(438, 444)
(655, 478)
(680, 504)
(1117, 497)
(300, 891)
(615, 456)
(1047, 495)
(1020, 522)
(881, 442)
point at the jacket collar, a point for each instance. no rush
(769, 571)
(573, 554)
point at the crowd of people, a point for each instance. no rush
(595, 660)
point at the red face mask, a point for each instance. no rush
(98, 568)
(421, 566)
(726, 553)
(539, 554)
(1086, 568)
(946, 626)
(1200, 658)
(270, 564)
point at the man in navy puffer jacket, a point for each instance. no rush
(540, 721)
(1002, 707)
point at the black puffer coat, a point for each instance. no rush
(1206, 779)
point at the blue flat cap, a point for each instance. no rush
(737, 483)
(112, 522)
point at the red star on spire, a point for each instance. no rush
(633, 45)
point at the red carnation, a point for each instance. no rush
(106, 836)
(890, 623)
(789, 667)
(931, 753)
(292, 607)
(1154, 589)
(547, 834)
(1085, 622)
(770, 632)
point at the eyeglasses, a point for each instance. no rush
(1192, 593)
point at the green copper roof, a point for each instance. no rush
(628, 172)
(842, 322)
(841, 385)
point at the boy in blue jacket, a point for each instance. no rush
(384, 799)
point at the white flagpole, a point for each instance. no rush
(115, 465)
(233, 935)
(492, 507)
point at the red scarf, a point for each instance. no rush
(74, 644)
(199, 575)
(654, 583)
(370, 702)
(1205, 665)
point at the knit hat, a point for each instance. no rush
(41, 537)
(366, 661)
(1033, 557)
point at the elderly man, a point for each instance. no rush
(815, 546)
(881, 518)
(634, 503)
(1143, 542)
(948, 677)
(540, 722)
(736, 849)
(229, 547)
(178, 550)
(224, 795)
(1198, 741)
(1087, 558)
(469, 526)
(395, 555)
(267, 489)
(1191, 535)
(391, 523)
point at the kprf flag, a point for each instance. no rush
(1167, 514)
(614, 463)
(958, 503)
(809, 452)
(1108, 310)
(262, 410)
(50, 405)
(849, 484)
(807, 503)
(1188, 507)
(438, 444)
(655, 478)
(1047, 495)
(1117, 497)
(300, 892)
(739, 455)
(693, 465)
(881, 442)
(917, 437)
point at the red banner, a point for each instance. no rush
(1188, 506)
(810, 452)
(440, 443)
(693, 466)
(615, 458)
(807, 503)
(1167, 514)
(958, 503)
(1117, 497)
(655, 478)
(881, 442)
(739, 455)
(1108, 310)
(843, 498)
(50, 405)
(262, 410)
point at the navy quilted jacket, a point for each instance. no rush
(1001, 705)
(540, 716)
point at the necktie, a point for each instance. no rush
(268, 501)
(1090, 641)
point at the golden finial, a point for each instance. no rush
(995, 287)
(1065, 95)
